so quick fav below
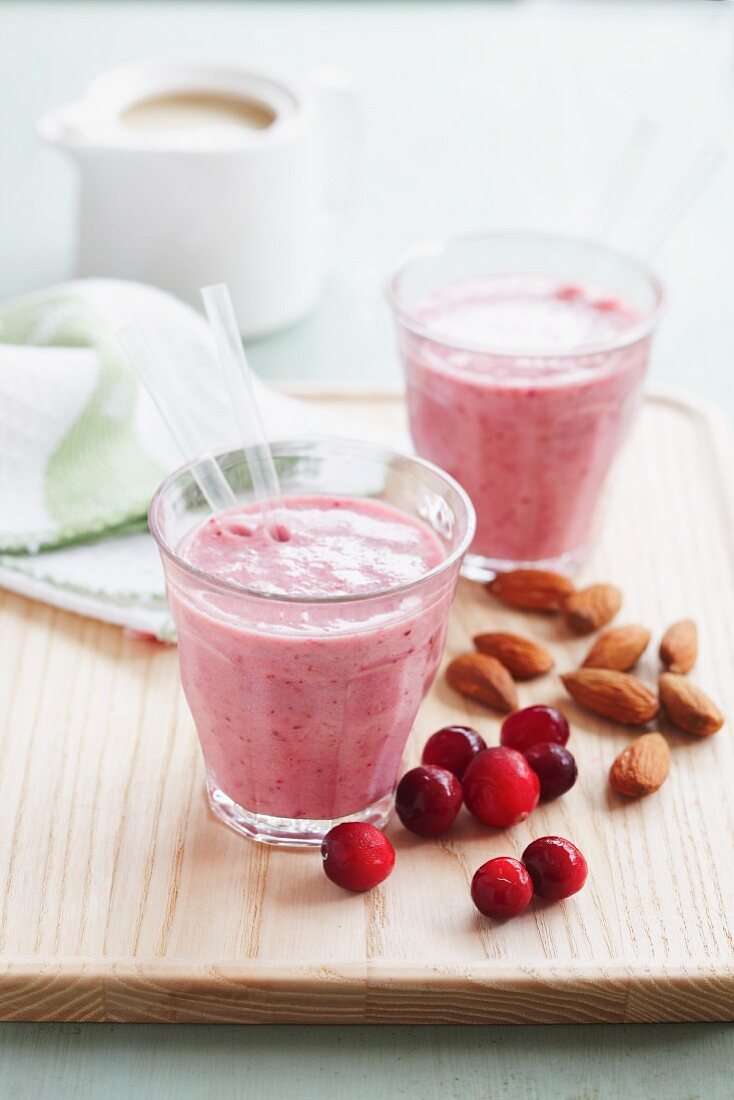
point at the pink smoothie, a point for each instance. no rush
(531, 428)
(303, 708)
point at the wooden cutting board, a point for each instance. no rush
(122, 899)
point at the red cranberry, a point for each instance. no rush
(554, 766)
(502, 888)
(527, 727)
(453, 747)
(556, 867)
(500, 787)
(356, 855)
(428, 799)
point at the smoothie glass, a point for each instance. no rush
(303, 705)
(530, 420)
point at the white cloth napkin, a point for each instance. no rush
(82, 447)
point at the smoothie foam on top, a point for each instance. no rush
(337, 547)
(522, 316)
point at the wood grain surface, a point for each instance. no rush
(122, 899)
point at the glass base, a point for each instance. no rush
(299, 832)
(478, 568)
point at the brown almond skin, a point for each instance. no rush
(592, 608)
(615, 695)
(523, 658)
(679, 647)
(687, 707)
(531, 589)
(642, 767)
(619, 649)
(484, 679)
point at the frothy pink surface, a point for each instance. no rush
(303, 710)
(530, 428)
(336, 547)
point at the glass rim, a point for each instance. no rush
(231, 588)
(439, 245)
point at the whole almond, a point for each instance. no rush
(592, 608)
(523, 658)
(619, 648)
(484, 679)
(687, 707)
(642, 767)
(531, 589)
(679, 647)
(615, 695)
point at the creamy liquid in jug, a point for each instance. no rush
(197, 110)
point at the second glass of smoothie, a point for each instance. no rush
(304, 660)
(524, 357)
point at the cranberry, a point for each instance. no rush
(554, 766)
(453, 747)
(428, 799)
(500, 787)
(356, 855)
(527, 727)
(502, 888)
(556, 867)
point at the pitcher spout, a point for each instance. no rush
(66, 127)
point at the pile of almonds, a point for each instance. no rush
(603, 684)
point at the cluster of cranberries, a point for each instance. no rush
(500, 787)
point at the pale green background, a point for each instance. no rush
(475, 114)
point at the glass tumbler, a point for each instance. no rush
(528, 419)
(303, 705)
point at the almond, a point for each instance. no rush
(523, 658)
(615, 695)
(531, 589)
(484, 679)
(679, 647)
(618, 649)
(592, 607)
(643, 766)
(688, 707)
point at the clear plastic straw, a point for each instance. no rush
(153, 371)
(219, 310)
(705, 162)
(626, 172)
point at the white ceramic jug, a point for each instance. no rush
(183, 207)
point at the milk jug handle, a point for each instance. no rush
(341, 135)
